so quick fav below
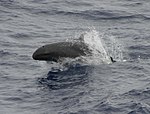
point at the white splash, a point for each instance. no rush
(95, 44)
(113, 47)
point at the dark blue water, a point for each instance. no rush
(31, 87)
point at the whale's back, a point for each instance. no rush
(53, 52)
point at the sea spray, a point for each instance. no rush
(95, 44)
(112, 46)
(102, 46)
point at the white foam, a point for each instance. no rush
(94, 42)
(103, 47)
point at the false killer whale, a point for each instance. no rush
(55, 51)
(52, 52)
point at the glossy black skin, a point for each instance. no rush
(55, 51)
(52, 52)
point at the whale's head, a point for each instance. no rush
(52, 52)
(44, 53)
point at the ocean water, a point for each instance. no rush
(117, 28)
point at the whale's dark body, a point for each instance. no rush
(52, 52)
(55, 51)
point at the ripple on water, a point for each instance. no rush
(69, 78)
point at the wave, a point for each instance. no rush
(139, 47)
(77, 3)
(139, 51)
(73, 76)
(106, 14)
(94, 14)
(139, 101)
(132, 102)
(11, 4)
(139, 93)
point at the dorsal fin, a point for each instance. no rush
(112, 59)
